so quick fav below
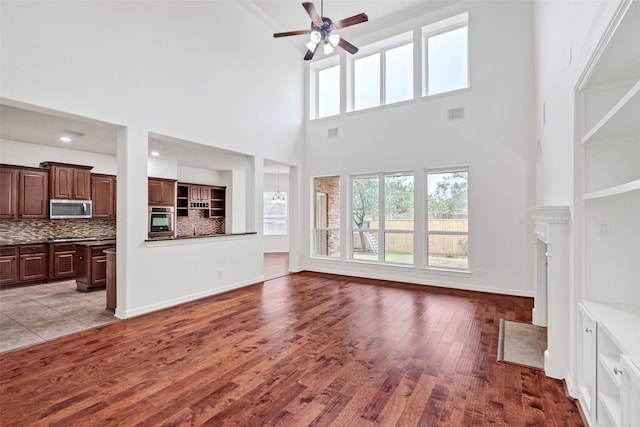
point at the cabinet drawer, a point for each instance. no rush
(8, 250)
(33, 249)
(99, 251)
(64, 247)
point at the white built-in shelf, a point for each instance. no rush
(612, 191)
(611, 406)
(623, 120)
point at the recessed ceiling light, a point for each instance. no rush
(65, 139)
(155, 153)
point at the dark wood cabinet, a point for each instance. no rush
(8, 265)
(8, 193)
(70, 182)
(91, 265)
(61, 260)
(103, 196)
(161, 192)
(198, 193)
(33, 262)
(32, 190)
(217, 205)
(23, 192)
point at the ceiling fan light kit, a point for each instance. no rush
(322, 31)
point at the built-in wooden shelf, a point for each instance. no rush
(621, 121)
(612, 191)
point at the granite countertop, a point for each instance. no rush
(91, 243)
(39, 241)
(159, 239)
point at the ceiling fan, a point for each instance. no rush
(322, 31)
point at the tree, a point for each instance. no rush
(365, 200)
(449, 197)
(398, 197)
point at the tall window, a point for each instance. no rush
(326, 228)
(275, 213)
(448, 219)
(446, 55)
(383, 73)
(388, 237)
(324, 88)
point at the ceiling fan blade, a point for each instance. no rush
(347, 46)
(356, 19)
(313, 13)
(292, 33)
(309, 55)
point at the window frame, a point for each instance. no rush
(382, 229)
(316, 229)
(286, 214)
(381, 47)
(452, 169)
(437, 28)
(314, 85)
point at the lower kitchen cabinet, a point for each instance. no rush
(61, 260)
(91, 264)
(608, 357)
(8, 265)
(33, 262)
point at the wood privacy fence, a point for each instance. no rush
(438, 244)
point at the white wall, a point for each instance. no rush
(205, 72)
(27, 154)
(495, 140)
(273, 183)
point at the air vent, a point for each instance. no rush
(455, 113)
(332, 133)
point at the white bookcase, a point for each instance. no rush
(608, 334)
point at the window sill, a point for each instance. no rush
(448, 271)
(444, 94)
(382, 264)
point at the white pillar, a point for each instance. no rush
(132, 199)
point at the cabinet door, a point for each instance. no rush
(630, 393)
(8, 269)
(33, 194)
(587, 359)
(63, 265)
(103, 196)
(8, 193)
(98, 270)
(160, 193)
(81, 184)
(33, 267)
(167, 193)
(62, 182)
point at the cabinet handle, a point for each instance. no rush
(587, 330)
(617, 370)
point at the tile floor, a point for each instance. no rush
(524, 344)
(33, 314)
(37, 313)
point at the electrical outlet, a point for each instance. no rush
(603, 230)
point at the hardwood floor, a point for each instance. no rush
(276, 264)
(304, 349)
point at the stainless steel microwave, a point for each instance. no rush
(66, 209)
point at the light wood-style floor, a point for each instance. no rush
(303, 349)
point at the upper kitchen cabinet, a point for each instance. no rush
(103, 196)
(71, 182)
(161, 192)
(23, 192)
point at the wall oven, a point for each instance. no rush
(160, 219)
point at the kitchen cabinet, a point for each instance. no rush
(161, 192)
(8, 265)
(91, 264)
(61, 260)
(217, 205)
(199, 196)
(8, 192)
(23, 192)
(33, 262)
(103, 196)
(182, 200)
(68, 182)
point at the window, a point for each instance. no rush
(388, 238)
(324, 88)
(275, 214)
(446, 55)
(448, 219)
(382, 73)
(326, 229)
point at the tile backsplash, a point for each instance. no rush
(27, 230)
(198, 224)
